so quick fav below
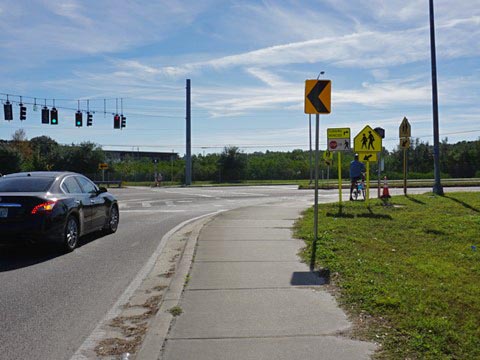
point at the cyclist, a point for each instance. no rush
(356, 170)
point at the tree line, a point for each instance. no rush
(460, 160)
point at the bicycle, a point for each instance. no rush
(359, 189)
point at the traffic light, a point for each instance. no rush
(124, 121)
(45, 115)
(116, 121)
(78, 119)
(89, 119)
(23, 112)
(7, 110)
(54, 116)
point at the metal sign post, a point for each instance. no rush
(340, 178)
(310, 141)
(380, 131)
(368, 183)
(405, 131)
(315, 211)
(405, 171)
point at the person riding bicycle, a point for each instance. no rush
(356, 170)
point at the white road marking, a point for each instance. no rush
(146, 204)
(152, 211)
(189, 194)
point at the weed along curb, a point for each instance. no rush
(137, 328)
(169, 307)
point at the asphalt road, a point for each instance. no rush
(51, 302)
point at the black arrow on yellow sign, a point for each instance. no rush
(318, 94)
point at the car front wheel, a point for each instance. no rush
(71, 234)
(113, 220)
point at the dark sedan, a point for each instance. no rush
(54, 206)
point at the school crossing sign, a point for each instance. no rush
(338, 139)
(367, 144)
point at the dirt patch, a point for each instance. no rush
(133, 328)
(118, 346)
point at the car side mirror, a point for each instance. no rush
(102, 190)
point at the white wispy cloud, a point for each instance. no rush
(73, 28)
(369, 49)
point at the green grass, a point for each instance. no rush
(411, 272)
(411, 183)
(176, 311)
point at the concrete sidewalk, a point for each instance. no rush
(249, 297)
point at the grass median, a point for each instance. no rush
(409, 274)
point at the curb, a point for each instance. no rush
(147, 278)
(160, 325)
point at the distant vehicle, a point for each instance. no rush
(54, 206)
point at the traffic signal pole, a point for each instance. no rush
(188, 162)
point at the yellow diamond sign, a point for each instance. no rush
(367, 140)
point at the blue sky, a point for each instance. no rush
(247, 61)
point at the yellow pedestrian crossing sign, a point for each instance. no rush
(367, 140)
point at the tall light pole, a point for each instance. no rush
(437, 187)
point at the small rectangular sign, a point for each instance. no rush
(338, 133)
(404, 143)
(367, 156)
(339, 144)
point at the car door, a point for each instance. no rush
(96, 202)
(72, 187)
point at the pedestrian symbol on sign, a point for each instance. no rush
(371, 139)
(364, 140)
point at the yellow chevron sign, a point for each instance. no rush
(318, 96)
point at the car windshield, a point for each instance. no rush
(25, 184)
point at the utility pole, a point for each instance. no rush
(437, 187)
(188, 162)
